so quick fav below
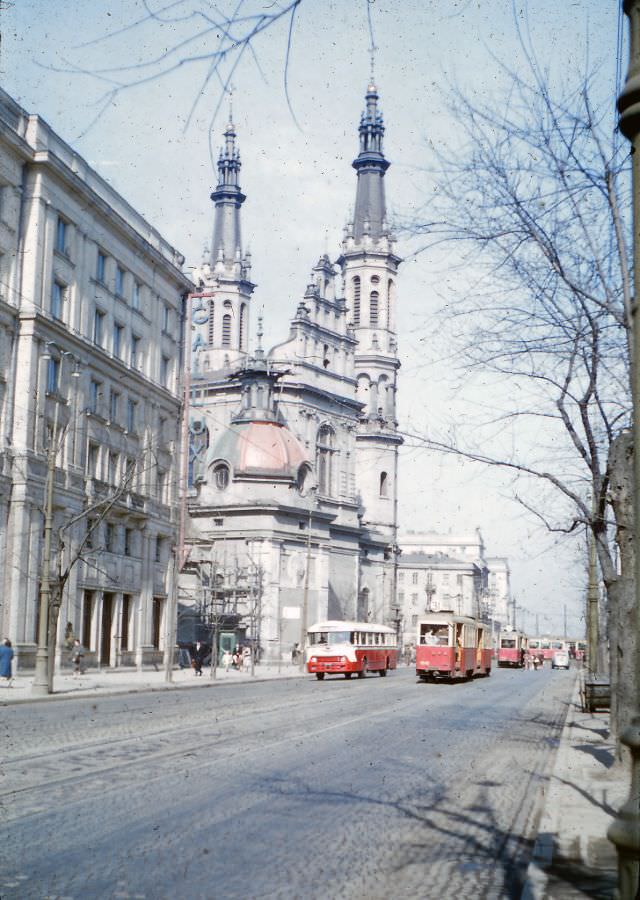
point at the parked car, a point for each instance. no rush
(560, 660)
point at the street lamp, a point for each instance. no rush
(429, 589)
(43, 676)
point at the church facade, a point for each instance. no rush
(293, 466)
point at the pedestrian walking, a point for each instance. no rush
(226, 659)
(246, 658)
(6, 657)
(198, 658)
(77, 658)
(295, 653)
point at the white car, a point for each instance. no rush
(560, 660)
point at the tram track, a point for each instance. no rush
(205, 744)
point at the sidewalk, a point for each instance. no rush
(572, 857)
(105, 682)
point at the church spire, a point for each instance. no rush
(228, 198)
(370, 164)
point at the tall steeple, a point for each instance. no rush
(370, 269)
(221, 312)
(370, 164)
(228, 198)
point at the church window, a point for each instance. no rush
(326, 362)
(375, 279)
(210, 323)
(221, 476)
(390, 301)
(226, 330)
(325, 451)
(243, 327)
(384, 484)
(356, 300)
(373, 308)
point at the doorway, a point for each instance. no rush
(107, 625)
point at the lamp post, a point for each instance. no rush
(305, 600)
(625, 829)
(429, 589)
(43, 676)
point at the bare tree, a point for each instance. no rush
(534, 199)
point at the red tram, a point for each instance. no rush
(452, 647)
(512, 646)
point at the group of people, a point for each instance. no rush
(239, 659)
(533, 660)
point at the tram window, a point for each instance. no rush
(507, 642)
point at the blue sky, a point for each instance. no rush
(299, 182)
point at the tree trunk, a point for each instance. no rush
(621, 588)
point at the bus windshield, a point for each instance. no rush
(330, 637)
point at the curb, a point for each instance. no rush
(133, 689)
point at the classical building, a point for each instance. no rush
(294, 451)
(91, 325)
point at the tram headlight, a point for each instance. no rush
(343, 659)
(314, 659)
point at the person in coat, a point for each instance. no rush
(198, 658)
(6, 656)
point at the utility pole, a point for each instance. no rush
(625, 830)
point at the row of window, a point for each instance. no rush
(118, 346)
(375, 307)
(121, 471)
(125, 285)
(227, 325)
(444, 577)
(115, 538)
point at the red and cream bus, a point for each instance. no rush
(512, 646)
(451, 647)
(342, 648)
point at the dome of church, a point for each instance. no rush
(261, 449)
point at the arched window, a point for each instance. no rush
(390, 301)
(356, 300)
(325, 449)
(210, 323)
(384, 490)
(373, 308)
(243, 326)
(226, 330)
(304, 478)
(326, 362)
(221, 476)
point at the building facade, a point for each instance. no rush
(452, 572)
(91, 341)
(294, 451)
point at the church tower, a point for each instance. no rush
(369, 269)
(221, 315)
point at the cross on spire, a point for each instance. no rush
(372, 59)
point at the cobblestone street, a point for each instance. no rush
(287, 789)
